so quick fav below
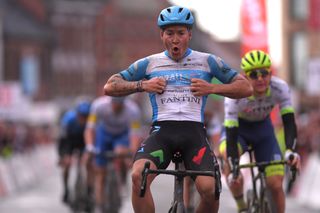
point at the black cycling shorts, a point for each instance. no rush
(69, 145)
(187, 137)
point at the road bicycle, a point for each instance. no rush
(113, 197)
(177, 205)
(80, 200)
(259, 197)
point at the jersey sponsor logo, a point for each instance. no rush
(259, 109)
(158, 154)
(187, 64)
(155, 129)
(141, 149)
(190, 99)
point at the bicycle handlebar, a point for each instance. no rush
(261, 165)
(113, 155)
(179, 173)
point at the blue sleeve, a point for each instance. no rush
(221, 70)
(67, 118)
(135, 71)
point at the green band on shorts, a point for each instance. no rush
(274, 170)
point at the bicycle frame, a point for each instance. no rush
(259, 200)
(112, 184)
(177, 205)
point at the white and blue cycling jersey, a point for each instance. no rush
(177, 102)
(259, 108)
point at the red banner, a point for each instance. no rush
(254, 33)
(314, 15)
(253, 26)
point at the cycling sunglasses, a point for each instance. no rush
(254, 74)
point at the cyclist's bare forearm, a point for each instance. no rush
(89, 136)
(117, 86)
(238, 88)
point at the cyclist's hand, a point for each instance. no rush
(234, 168)
(293, 159)
(200, 87)
(90, 148)
(233, 180)
(154, 85)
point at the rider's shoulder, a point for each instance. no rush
(278, 83)
(101, 101)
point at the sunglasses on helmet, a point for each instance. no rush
(254, 74)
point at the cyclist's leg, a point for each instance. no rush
(65, 163)
(188, 194)
(269, 150)
(146, 203)
(198, 155)
(154, 149)
(102, 144)
(122, 146)
(236, 187)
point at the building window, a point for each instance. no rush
(299, 9)
(299, 56)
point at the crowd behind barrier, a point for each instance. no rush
(27, 155)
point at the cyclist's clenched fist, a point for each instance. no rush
(200, 87)
(154, 85)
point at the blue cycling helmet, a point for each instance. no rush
(83, 108)
(175, 15)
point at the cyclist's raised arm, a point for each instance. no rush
(117, 86)
(239, 87)
(231, 125)
(233, 84)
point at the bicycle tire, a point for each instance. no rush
(251, 203)
(79, 201)
(112, 193)
(173, 208)
(268, 204)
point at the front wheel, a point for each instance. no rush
(251, 202)
(113, 193)
(268, 204)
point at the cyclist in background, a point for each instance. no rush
(71, 139)
(178, 83)
(247, 122)
(113, 125)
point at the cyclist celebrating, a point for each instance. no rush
(71, 139)
(247, 123)
(113, 125)
(178, 83)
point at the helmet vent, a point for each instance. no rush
(188, 16)
(180, 9)
(252, 56)
(161, 17)
(169, 10)
(248, 61)
(258, 55)
(264, 58)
